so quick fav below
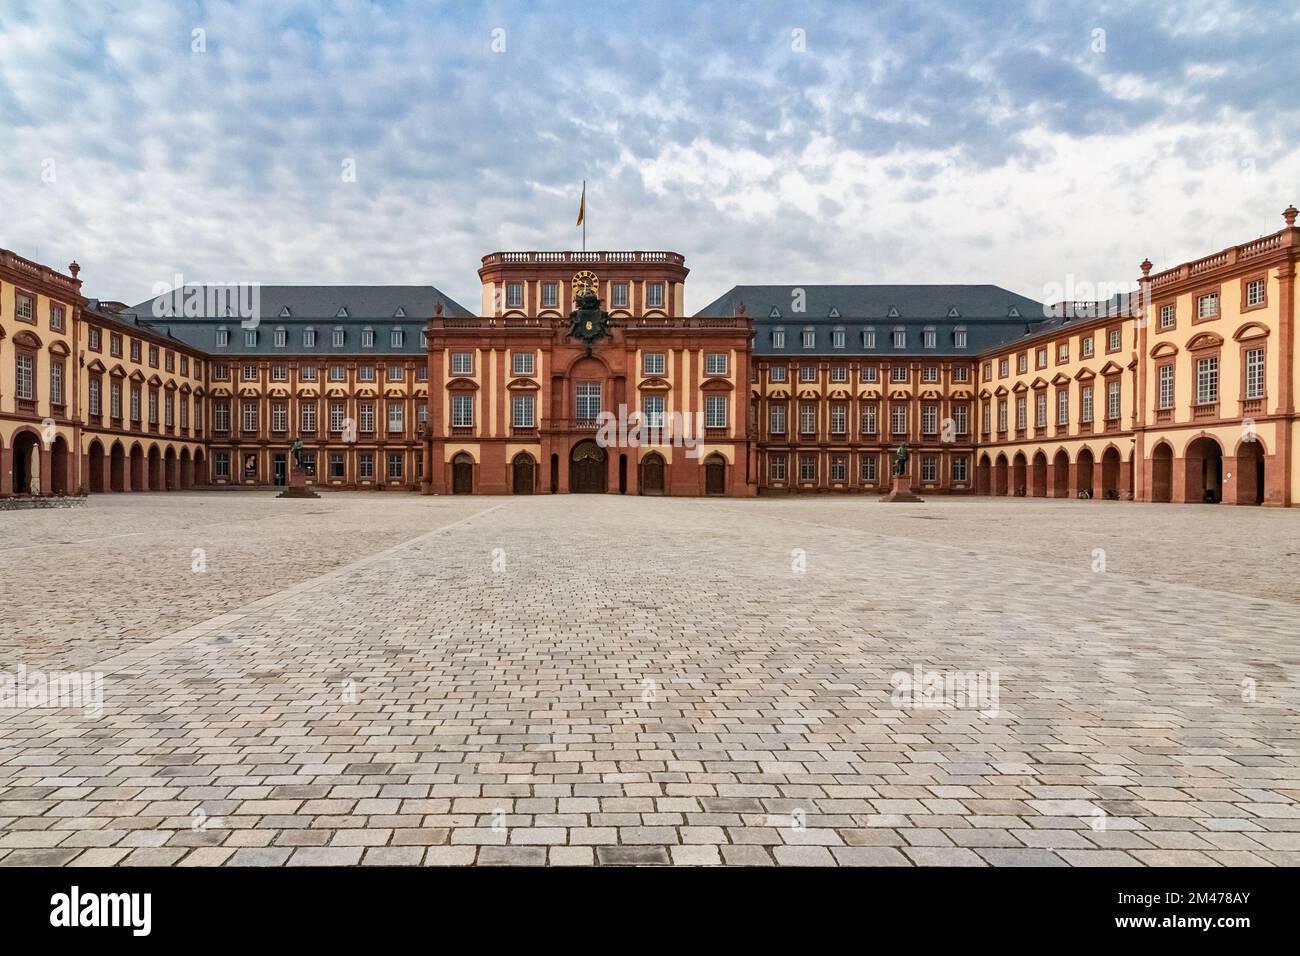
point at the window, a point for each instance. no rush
(336, 465)
(619, 294)
(929, 338)
(837, 338)
(1165, 387)
(869, 465)
(395, 373)
(56, 317)
(1207, 380)
(1040, 357)
(1022, 412)
(25, 367)
(808, 418)
(898, 373)
(776, 468)
(522, 363)
(987, 417)
(1254, 373)
(396, 418)
(336, 416)
(366, 417)
(929, 467)
(1255, 293)
(961, 374)
(1002, 368)
(339, 338)
(514, 295)
(169, 360)
(715, 363)
(839, 373)
(715, 411)
(422, 372)
(185, 411)
(929, 419)
(1113, 340)
(250, 416)
(1062, 352)
(652, 363)
(185, 365)
(153, 406)
(898, 419)
(1085, 404)
(25, 307)
(1207, 306)
(366, 465)
(462, 363)
(869, 338)
(808, 373)
(870, 413)
(1112, 400)
(960, 468)
(870, 373)
(652, 408)
(839, 418)
(839, 467)
(462, 411)
(1022, 363)
(778, 338)
(279, 373)
(521, 411)
(395, 338)
(95, 387)
(1040, 410)
(959, 338)
(365, 373)
(135, 350)
(394, 465)
(115, 345)
(587, 405)
(221, 464)
(1168, 316)
(250, 373)
(1002, 414)
(900, 339)
(930, 373)
(56, 382)
(807, 467)
(221, 415)
(776, 419)
(307, 416)
(337, 373)
(279, 416)
(1062, 406)
(93, 338)
(961, 418)
(307, 373)
(250, 339)
(135, 404)
(309, 338)
(1085, 346)
(367, 338)
(654, 295)
(281, 337)
(550, 295)
(810, 338)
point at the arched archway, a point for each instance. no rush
(117, 473)
(1203, 471)
(1250, 472)
(1083, 474)
(171, 476)
(200, 468)
(1019, 478)
(715, 475)
(59, 466)
(187, 470)
(1162, 472)
(522, 473)
(462, 474)
(1061, 475)
(155, 469)
(587, 468)
(1000, 475)
(1110, 468)
(137, 469)
(651, 479)
(25, 470)
(1038, 476)
(984, 476)
(95, 458)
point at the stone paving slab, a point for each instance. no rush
(600, 680)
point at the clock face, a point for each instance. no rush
(584, 282)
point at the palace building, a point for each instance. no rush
(582, 372)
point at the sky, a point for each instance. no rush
(1034, 145)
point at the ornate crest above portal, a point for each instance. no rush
(588, 322)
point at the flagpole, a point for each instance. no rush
(584, 215)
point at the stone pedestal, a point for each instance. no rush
(901, 490)
(297, 487)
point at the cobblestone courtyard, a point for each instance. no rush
(391, 679)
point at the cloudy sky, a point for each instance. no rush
(344, 141)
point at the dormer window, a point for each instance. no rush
(900, 339)
(959, 338)
(280, 337)
(929, 338)
(809, 338)
(869, 338)
(340, 336)
(778, 338)
(837, 338)
(223, 338)
(395, 339)
(309, 337)
(367, 338)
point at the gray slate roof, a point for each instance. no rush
(990, 315)
(379, 308)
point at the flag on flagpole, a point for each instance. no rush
(582, 204)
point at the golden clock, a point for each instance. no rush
(585, 282)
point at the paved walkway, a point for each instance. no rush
(384, 679)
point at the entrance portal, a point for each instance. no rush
(587, 469)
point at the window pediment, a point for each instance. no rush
(1250, 330)
(1206, 340)
(654, 384)
(462, 385)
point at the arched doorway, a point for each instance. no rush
(59, 466)
(1038, 476)
(1000, 475)
(984, 476)
(1250, 473)
(137, 469)
(1110, 463)
(1162, 473)
(171, 478)
(715, 475)
(1203, 463)
(1061, 475)
(26, 469)
(95, 457)
(117, 467)
(522, 470)
(462, 475)
(555, 474)
(1019, 481)
(651, 479)
(587, 469)
(1083, 473)
(187, 470)
(201, 468)
(155, 469)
